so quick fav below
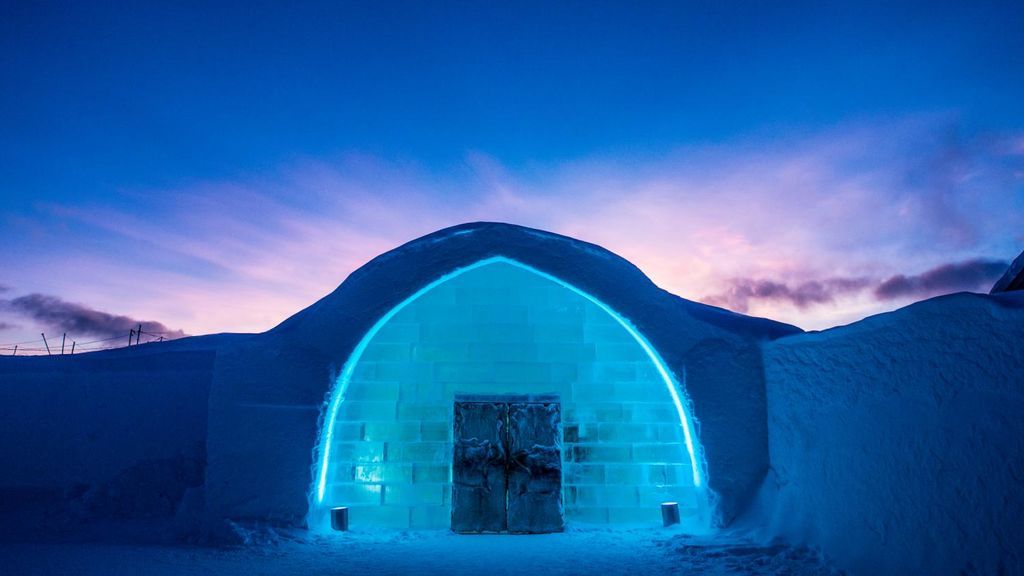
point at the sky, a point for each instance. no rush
(218, 167)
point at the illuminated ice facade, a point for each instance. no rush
(895, 442)
(499, 327)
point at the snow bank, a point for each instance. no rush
(897, 443)
(108, 435)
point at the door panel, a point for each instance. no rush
(478, 467)
(535, 468)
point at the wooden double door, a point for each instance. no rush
(507, 465)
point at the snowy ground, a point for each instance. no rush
(592, 552)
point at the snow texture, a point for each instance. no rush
(606, 552)
(103, 436)
(897, 443)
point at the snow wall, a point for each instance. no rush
(269, 392)
(897, 443)
(115, 434)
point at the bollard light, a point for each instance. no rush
(339, 518)
(670, 513)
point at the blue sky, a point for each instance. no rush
(153, 159)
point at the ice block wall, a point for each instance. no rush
(498, 329)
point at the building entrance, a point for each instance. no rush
(507, 464)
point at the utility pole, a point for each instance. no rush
(45, 342)
(131, 333)
(15, 350)
(62, 339)
(138, 334)
(72, 347)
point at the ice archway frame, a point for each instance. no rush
(690, 451)
(270, 392)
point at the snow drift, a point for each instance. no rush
(100, 436)
(897, 443)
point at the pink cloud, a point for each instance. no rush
(870, 200)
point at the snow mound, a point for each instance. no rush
(897, 443)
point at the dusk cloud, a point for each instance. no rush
(802, 295)
(971, 275)
(8, 326)
(57, 314)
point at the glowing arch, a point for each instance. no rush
(337, 395)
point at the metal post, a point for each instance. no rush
(15, 350)
(339, 518)
(138, 334)
(47, 344)
(62, 339)
(130, 334)
(670, 513)
(72, 347)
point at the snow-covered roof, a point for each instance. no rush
(394, 275)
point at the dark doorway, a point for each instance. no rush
(507, 466)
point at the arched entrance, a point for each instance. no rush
(501, 327)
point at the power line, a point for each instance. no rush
(104, 339)
(20, 343)
(90, 345)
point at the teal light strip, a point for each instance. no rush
(338, 395)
